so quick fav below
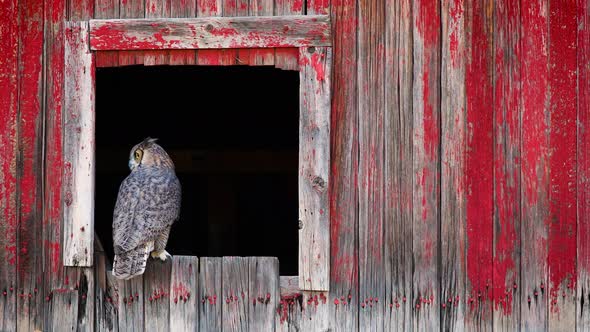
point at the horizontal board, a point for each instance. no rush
(210, 33)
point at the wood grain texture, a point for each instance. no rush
(583, 158)
(104, 9)
(183, 8)
(371, 108)
(314, 312)
(286, 58)
(9, 36)
(210, 33)
(453, 138)
(209, 8)
(105, 284)
(264, 293)
(62, 310)
(425, 135)
(535, 166)
(235, 296)
(156, 287)
(507, 178)
(29, 312)
(184, 315)
(344, 154)
(81, 280)
(314, 162)
(262, 8)
(130, 298)
(131, 9)
(156, 9)
(561, 260)
(288, 317)
(78, 235)
(53, 278)
(210, 294)
(398, 169)
(478, 164)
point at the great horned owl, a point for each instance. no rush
(147, 205)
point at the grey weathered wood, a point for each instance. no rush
(82, 280)
(264, 292)
(107, 9)
(156, 9)
(262, 57)
(235, 279)
(314, 167)
(290, 306)
(156, 301)
(453, 136)
(78, 232)
(131, 9)
(210, 299)
(62, 310)
(315, 311)
(371, 206)
(401, 135)
(286, 58)
(129, 297)
(183, 8)
(210, 33)
(184, 315)
(105, 308)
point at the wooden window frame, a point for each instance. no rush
(310, 34)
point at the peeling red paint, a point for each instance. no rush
(561, 258)
(479, 154)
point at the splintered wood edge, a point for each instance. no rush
(210, 33)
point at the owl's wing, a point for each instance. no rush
(144, 209)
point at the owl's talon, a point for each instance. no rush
(162, 255)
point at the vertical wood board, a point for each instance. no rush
(210, 296)
(184, 315)
(78, 235)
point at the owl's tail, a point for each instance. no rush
(131, 263)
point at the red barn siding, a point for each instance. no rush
(459, 147)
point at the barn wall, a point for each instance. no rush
(459, 194)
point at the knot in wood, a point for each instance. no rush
(311, 50)
(319, 184)
(300, 224)
(209, 27)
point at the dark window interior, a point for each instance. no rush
(233, 135)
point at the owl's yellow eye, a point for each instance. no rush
(138, 154)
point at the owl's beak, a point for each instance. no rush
(131, 165)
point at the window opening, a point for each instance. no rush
(233, 135)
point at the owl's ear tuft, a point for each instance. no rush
(149, 140)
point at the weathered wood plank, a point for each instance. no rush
(371, 108)
(264, 293)
(210, 33)
(344, 154)
(53, 269)
(453, 138)
(314, 311)
(62, 311)
(561, 260)
(105, 308)
(81, 280)
(286, 58)
(507, 155)
(183, 8)
(184, 315)
(535, 166)
(583, 190)
(130, 297)
(29, 312)
(156, 9)
(104, 9)
(210, 294)
(262, 8)
(80, 10)
(156, 301)
(209, 8)
(78, 235)
(130, 9)
(235, 296)
(398, 170)
(479, 167)
(230, 9)
(9, 36)
(314, 163)
(426, 161)
(289, 309)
